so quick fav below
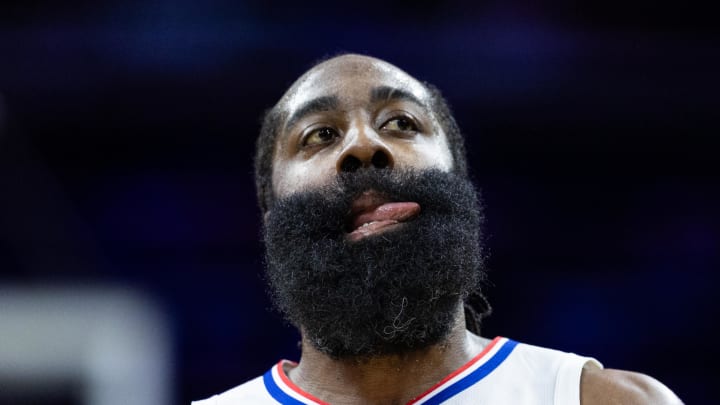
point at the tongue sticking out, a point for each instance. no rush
(394, 211)
(371, 216)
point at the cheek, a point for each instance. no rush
(292, 177)
(433, 153)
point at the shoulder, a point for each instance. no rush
(250, 392)
(608, 386)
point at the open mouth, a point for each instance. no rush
(372, 213)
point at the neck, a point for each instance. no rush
(390, 379)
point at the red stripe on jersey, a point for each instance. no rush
(456, 372)
(292, 386)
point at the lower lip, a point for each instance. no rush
(373, 228)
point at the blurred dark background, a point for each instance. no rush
(127, 132)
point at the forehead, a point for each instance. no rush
(351, 79)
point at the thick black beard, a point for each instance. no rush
(391, 293)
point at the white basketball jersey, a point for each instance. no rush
(505, 372)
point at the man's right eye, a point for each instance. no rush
(319, 136)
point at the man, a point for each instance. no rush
(372, 232)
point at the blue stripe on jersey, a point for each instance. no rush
(276, 392)
(475, 376)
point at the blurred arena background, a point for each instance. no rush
(129, 233)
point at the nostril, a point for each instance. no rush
(350, 164)
(380, 160)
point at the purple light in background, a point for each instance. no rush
(171, 209)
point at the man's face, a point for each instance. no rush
(372, 241)
(350, 112)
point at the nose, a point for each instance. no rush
(364, 149)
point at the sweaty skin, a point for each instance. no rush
(363, 126)
(331, 115)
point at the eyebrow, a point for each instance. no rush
(316, 105)
(327, 103)
(387, 93)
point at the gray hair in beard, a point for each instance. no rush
(391, 293)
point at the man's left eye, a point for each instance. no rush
(399, 124)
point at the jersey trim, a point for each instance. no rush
(285, 391)
(473, 371)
